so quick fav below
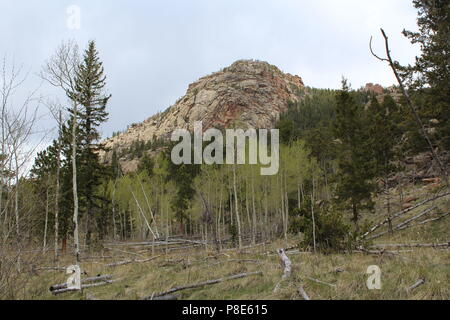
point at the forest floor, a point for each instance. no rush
(324, 277)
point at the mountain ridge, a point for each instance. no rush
(247, 94)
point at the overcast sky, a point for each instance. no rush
(152, 50)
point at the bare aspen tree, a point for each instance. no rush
(74, 182)
(313, 215)
(238, 219)
(56, 110)
(44, 246)
(254, 229)
(17, 125)
(60, 72)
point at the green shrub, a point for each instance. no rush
(332, 233)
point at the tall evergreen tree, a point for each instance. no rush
(90, 94)
(384, 135)
(355, 165)
(430, 75)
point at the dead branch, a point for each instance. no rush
(322, 282)
(404, 224)
(410, 103)
(287, 266)
(123, 263)
(203, 284)
(396, 215)
(415, 285)
(303, 293)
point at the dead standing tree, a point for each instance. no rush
(395, 66)
(60, 72)
(18, 117)
(56, 110)
(17, 122)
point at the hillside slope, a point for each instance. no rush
(247, 94)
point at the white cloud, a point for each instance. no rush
(152, 50)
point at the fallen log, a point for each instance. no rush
(322, 282)
(287, 266)
(303, 293)
(202, 284)
(234, 260)
(165, 298)
(123, 263)
(123, 251)
(189, 241)
(433, 219)
(390, 218)
(85, 286)
(86, 280)
(49, 269)
(408, 221)
(403, 225)
(413, 245)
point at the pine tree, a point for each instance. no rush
(355, 166)
(430, 75)
(384, 135)
(90, 94)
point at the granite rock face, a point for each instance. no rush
(247, 94)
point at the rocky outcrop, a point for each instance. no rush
(247, 94)
(374, 88)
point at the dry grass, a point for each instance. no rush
(399, 271)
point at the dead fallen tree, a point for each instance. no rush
(378, 252)
(322, 282)
(287, 268)
(85, 286)
(403, 225)
(234, 260)
(123, 251)
(189, 241)
(413, 245)
(442, 216)
(88, 282)
(398, 214)
(165, 298)
(49, 269)
(125, 262)
(202, 284)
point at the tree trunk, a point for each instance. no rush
(57, 188)
(16, 196)
(44, 248)
(74, 181)
(238, 220)
(313, 219)
(254, 230)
